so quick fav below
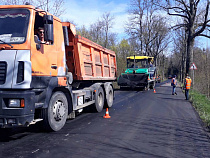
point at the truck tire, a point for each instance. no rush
(99, 100)
(55, 115)
(109, 96)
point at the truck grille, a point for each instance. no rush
(3, 70)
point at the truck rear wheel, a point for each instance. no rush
(99, 99)
(109, 96)
(56, 114)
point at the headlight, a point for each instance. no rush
(16, 103)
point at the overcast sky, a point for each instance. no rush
(86, 12)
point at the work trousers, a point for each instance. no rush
(187, 94)
(174, 90)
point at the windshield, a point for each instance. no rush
(13, 25)
(138, 63)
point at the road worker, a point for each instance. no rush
(187, 85)
(173, 84)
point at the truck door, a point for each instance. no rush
(43, 54)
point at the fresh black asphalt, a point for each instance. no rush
(142, 124)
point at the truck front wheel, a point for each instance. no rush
(99, 99)
(56, 114)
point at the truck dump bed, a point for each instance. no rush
(87, 60)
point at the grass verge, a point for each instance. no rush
(202, 106)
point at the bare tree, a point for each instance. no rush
(196, 20)
(107, 20)
(99, 31)
(55, 7)
(148, 28)
(135, 25)
(14, 2)
(112, 40)
(180, 41)
(96, 31)
(156, 35)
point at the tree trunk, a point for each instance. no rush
(183, 64)
(189, 58)
(141, 45)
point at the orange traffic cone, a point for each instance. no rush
(107, 114)
(154, 90)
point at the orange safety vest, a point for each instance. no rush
(173, 81)
(188, 83)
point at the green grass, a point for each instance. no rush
(202, 105)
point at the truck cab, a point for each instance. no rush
(28, 67)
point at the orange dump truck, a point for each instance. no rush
(49, 81)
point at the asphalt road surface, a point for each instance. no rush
(142, 124)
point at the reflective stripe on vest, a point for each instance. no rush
(188, 83)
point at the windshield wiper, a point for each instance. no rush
(6, 43)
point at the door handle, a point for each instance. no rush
(54, 67)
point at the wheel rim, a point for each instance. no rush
(110, 98)
(100, 99)
(59, 110)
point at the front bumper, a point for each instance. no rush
(10, 117)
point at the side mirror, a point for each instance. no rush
(48, 33)
(48, 19)
(48, 27)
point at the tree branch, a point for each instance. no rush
(173, 8)
(178, 15)
(204, 35)
(178, 26)
(197, 2)
(206, 20)
(186, 7)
